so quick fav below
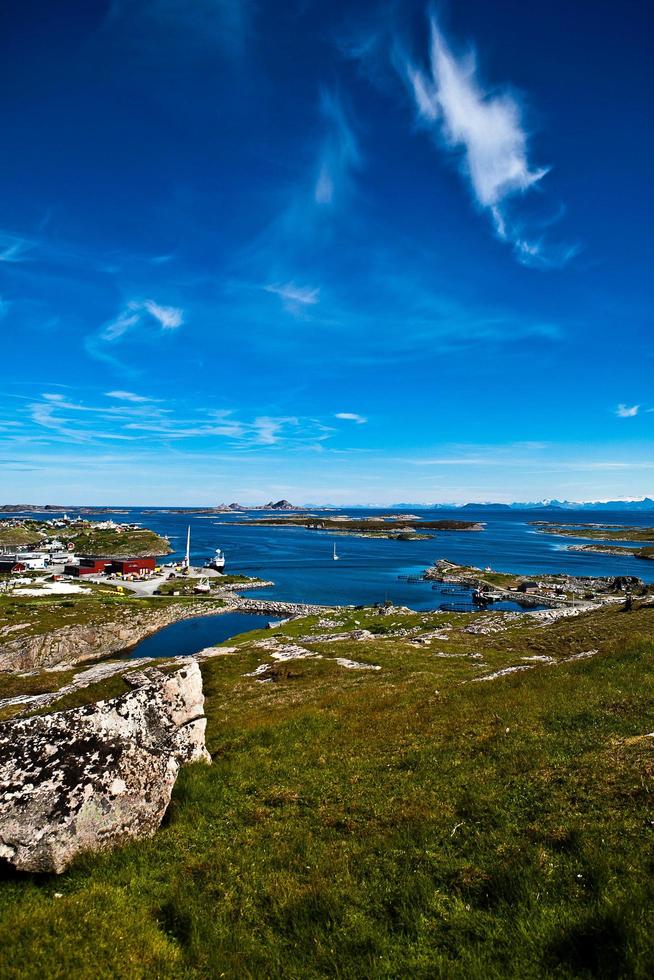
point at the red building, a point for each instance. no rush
(9, 566)
(88, 566)
(133, 566)
(114, 566)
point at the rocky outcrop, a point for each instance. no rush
(96, 776)
(71, 645)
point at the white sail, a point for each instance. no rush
(187, 560)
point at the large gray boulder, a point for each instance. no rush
(91, 777)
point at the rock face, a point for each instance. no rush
(71, 645)
(92, 777)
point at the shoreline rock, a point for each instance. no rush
(69, 645)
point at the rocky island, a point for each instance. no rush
(401, 528)
(604, 536)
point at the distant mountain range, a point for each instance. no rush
(634, 506)
(646, 504)
(615, 505)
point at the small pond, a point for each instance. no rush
(189, 636)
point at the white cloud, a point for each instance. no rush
(627, 411)
(138, 314)
(339, 154)
(487, 128)
(169, 317)
(487, 131)
(13, 249)
(294, 297)
(116, 328)
(324, 191)
(267, 431)
(136, 418)
(126, 396)
(350, 417)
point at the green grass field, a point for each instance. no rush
(98, 605)
(404, 822)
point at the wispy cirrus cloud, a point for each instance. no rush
(14, 249)
(138, 315)
(168, 317)
(485, 128)
(482, 128)
(297, 240)
(260, 432)
(129, 417)
(138, 312)
(351, 417)
(294, 297)
(127, 396)
(340, 154)
(204, 24)
(119, 326)
(627, 411)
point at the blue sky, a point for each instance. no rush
(346, 252)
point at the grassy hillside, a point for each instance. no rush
(88, 539)
(118, 544)
(23, 534)
(22, 617)
(402, 822)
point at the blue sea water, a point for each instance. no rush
(299, 561)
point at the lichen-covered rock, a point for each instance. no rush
(91, 777)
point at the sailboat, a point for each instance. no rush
(335, 556)
(187, 559)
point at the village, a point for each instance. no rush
(50, 554)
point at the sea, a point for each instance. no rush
(299, 561)
(370, 570)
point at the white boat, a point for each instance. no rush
(217, 562)
(335, 556)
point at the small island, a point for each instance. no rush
(604, 535)
(392, 527)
